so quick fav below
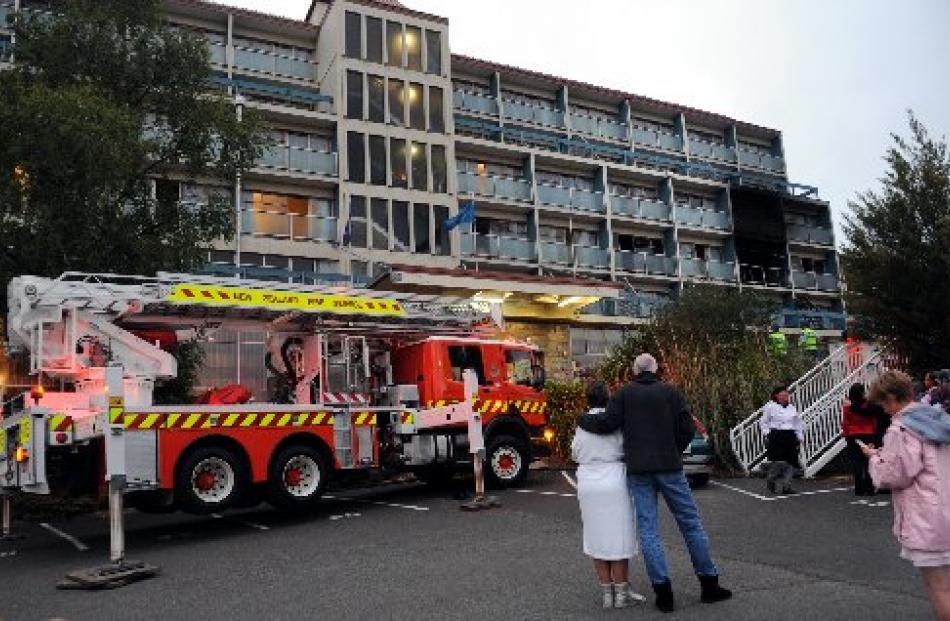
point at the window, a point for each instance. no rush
(420, 173)
(397, 109)
(462, 358)
(374, 39)
(442, 246)
(354, 35)
(397, 163)
(519, 367)
(377, 160)
(354, 95)
(436, 116)
(417, 119)
(420, 228)
(6, 48)
(401, 226)
(394, 44)
(377, 99)
(276, 215)
(433, 52)
(438, 170)
(357, 223)
(414, 47)
(356, 157)
(359, 271)
(380, 223)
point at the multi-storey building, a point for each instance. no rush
(592, 206)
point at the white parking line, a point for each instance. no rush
(394, 505)
(534, 491)
(570, 481)
(78, 544)
(238, 520)
(764, 498)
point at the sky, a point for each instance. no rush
(836, 76)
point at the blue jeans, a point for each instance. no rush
(679, 499)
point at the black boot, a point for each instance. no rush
(664, 596)
(711, 591)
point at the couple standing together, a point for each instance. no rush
(629, 449)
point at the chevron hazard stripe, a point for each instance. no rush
(235, 420)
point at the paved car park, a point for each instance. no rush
(407, 552)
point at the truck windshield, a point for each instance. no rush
(519, 363)
(537, 368)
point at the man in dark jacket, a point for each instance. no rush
(657, 428)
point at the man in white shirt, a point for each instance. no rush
(782, 426)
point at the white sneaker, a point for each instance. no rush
(624, 596)
(608, 593)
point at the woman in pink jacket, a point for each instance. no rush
(915, 464)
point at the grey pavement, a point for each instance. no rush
(407, 552)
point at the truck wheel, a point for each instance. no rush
(210, 479)
(297, 478)
(507, 460)
(153, 501)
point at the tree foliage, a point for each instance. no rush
(897, 257)
(712, 343)
(102, 97)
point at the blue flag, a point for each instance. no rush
(348, 232)
(466, 215)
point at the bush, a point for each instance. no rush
(566, 401)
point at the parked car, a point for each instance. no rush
(698, 457)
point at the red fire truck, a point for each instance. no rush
(356, 380)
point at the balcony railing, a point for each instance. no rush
(644, 263)
(599, 127)
(757, 159)
(556, 253)
(815, 281)
(702, 218)
(499, 187)
(639, 208)
(218, 53)
(657, 139)
(810, 234)
(299, 160)
(587, 256)
(702, 148)
(824, 320)
(762, 276)
(537, 114)
(284, 225)
(708, 269)
(584, 200)
(272, 64)
(641, 306)
(475, 102)
(497, 247)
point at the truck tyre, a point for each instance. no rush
(210, 479)
(507, 461)
(297, 478)
(153, 501)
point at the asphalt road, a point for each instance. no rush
(407, 552)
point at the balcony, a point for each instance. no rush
(554, 253)
(218, 53)
(497, 247)
(639, 208)
(644, 263)
(702, 218)
(537, 114)
(657, 139)
(814, 281)
(810, 234)
(761, 276)
(596, 258)
(274, 65)
(764, 161)
(5, 10)
(708, 270)
(475, 102)
(713, 151)
(292, 159)
(497, 187)
(640, 306)
(821, 320)
(284, 225)
(599, 127)
(582, 200)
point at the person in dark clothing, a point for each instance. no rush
(861, 422)
(657, 427)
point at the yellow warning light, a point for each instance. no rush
(21, 454)
(548, 434)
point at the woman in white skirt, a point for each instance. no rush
(606, 508)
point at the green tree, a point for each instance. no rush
(101, 99)
(897, 256)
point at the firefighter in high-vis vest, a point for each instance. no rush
(778, 343)
(808, 341)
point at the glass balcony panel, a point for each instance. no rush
(554, 195)
(821, 236)
(515, 248)
(689, 216)
(468, 244)
(631, 261)
(623, 205)
(700, 148)
(810, 234)
(715, 219)
(549, 117)
(654, 210)
(646, 137)
(521, 112)
(592, 257)
(323, 229)
(313, 162)
(588, 201)
(475, 102)
(658, 264)
(773, 163)
(274, 157)
(827, 282)
(613, 131)
(670, 142)
(271, 224)
(750, 158)
(486, 245)
(553, 252)
(693, 268)
(805, 280)
(513, 188)
(718, 270)
(218, 53)
(726, 154)
(296, 68)
(584, 124)
(253, 60)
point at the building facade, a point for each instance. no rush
(381, 134)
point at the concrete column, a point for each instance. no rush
(564, 105)
(601, 183)
(683, 132)
(623, 116)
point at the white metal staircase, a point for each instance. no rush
(819, 397)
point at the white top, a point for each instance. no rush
(592, 448)
(779, 417)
